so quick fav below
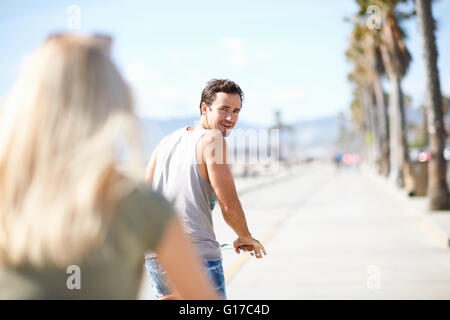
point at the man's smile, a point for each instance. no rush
(227, 125)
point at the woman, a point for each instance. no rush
(74, 221)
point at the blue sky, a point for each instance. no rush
(287, 55)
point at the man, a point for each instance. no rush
(189, 167)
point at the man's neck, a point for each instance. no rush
(202, 123)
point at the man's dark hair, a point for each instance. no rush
(217, 85)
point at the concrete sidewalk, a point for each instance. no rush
(437, 223)
(337, 235)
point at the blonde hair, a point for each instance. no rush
(67, 137)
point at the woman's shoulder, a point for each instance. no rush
(143, 212)
(140, 194)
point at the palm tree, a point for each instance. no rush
(437, 171)
(382, 107)
(372, 49)
(362, 104)
(364, 52)
(396, 59)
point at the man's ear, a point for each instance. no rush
(204, 107)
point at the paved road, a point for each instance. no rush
(332, 235)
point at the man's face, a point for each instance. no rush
(223, 113)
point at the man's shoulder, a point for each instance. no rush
(212, 136)
(212, 147)
(173, 134)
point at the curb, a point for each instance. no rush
(435, 223)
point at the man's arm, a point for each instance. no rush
(215, 157)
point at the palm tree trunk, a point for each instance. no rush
(370, 124)
(375, 128)
(366, 126)
(399, 156)
(397, 124)
(383, 119)
(437, 186)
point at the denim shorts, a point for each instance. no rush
(160, 283)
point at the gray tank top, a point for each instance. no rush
(178, 178)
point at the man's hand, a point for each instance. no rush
(249, 244)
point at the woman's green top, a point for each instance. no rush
(110, 270)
